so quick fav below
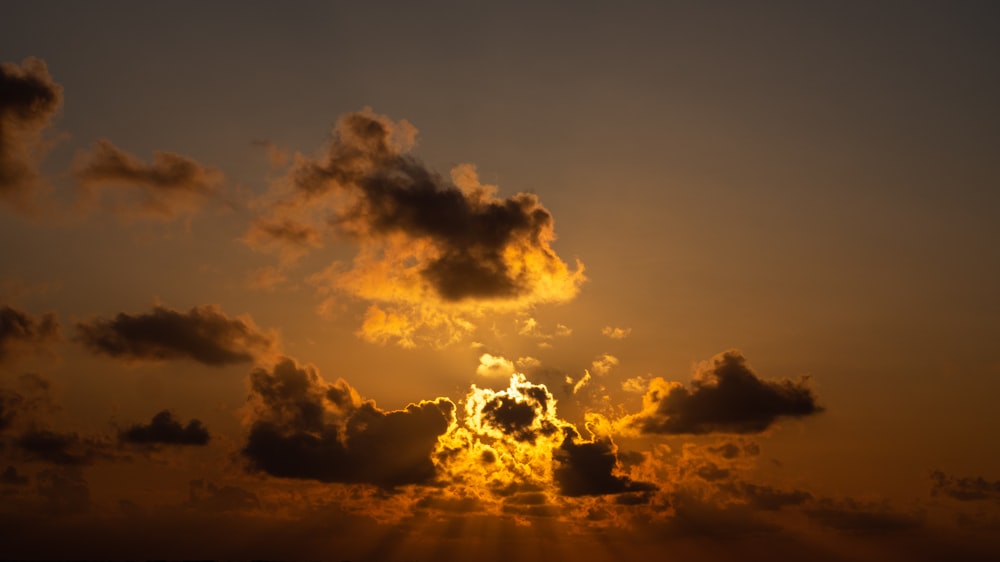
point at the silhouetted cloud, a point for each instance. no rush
(726, 396)
(29, 98)
(19, 331)
(170, 186)
(166, 430)
(767, 498)
(206, 496)
(11, 477)
(204, 334)
(67, 449)
(852, 516)
(305, 427)
(425, 243)
(964, 488)
(588, 469)
(25, 404)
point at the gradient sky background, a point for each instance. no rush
(815, 186)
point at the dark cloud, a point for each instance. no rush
(166, 430)
(203, 334)
(587, 469)
(29, 98)
(305, 427)
(31, 400)
(520, 417)
(19, 330)
(964, 488)
(169, 186)
(11, 477)
(64, 491)
(206, 496)
(426, 243)
(766, 498)
(851, 516)
(726, 396)
(65, 449)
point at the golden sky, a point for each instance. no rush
(449, 281)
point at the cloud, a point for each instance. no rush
(28, 404)
(59, 448)
(494, 366)
(726, 396)
(170, 186)
(588, 469)
(767, 498)
(616, 333)
(426, 245)
(604, 363)
(302, 426)
(204, 334)
(166, 430)
(10, 477)
(856, 517)
(20, 331)
(29, 98)
(209, 497)
(964, 488)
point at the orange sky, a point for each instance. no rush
(582, 281)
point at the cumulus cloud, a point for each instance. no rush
(29, 99)
(616, 333)
(604, 363)
(589, 468)
(302, 426)
(170, 186)
(20, 331)
(427, 246)
(512, 443)
(964, 488)
(494, 366)
(204, 334)
(164, 429)
(726, 396)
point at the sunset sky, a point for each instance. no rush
(447, 281)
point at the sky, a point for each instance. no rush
(455, 280)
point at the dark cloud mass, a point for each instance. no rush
(28, 100)
(587, 469)
(18, 331)
(203, 334)
(964, 488)
(66, 449)
(166, 430)
(172, 184)
(726, 396)
(468, 244)
(305, 427)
